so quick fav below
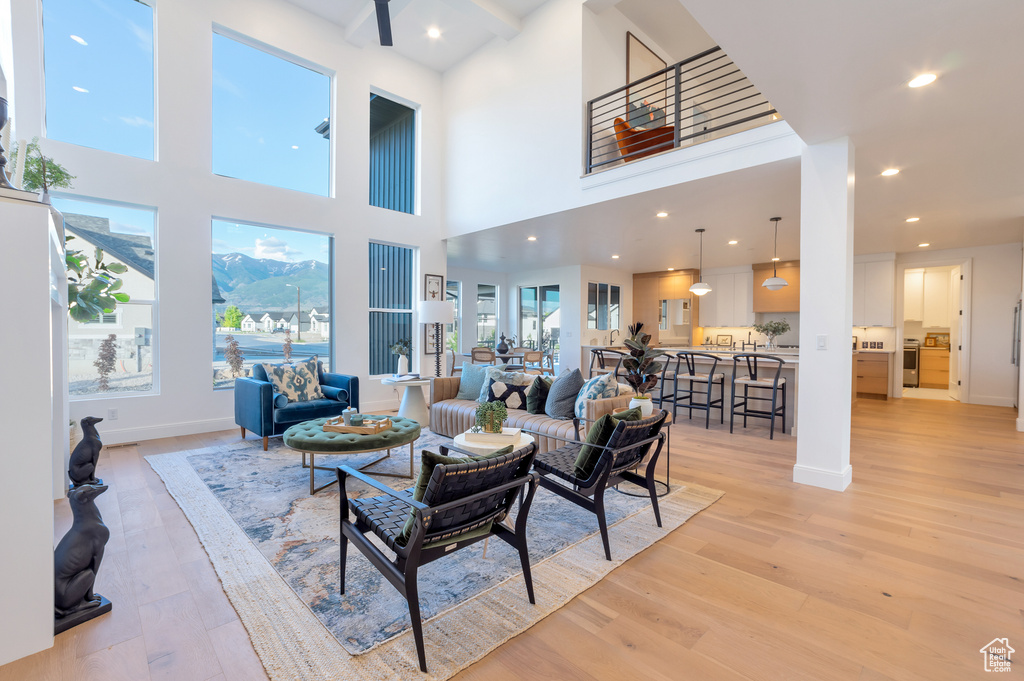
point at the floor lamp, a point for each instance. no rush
(436, 312)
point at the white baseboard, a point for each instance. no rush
(991, 401)
(1020, 425)
(379, 405)
(116, 437)
(817, 477)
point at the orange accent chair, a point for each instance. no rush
(635, 143)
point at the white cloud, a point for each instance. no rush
(276, 249)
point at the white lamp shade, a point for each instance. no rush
(775, 283)
(700, 288)
(435, 311)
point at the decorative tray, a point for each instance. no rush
(369, 427)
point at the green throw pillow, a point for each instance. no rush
(537, 395)
(428, 461)
(600, 433)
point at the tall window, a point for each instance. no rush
(270, 285)
(99, 74)
(113, 353)
(540, 319)
(270, 119)
(452, 293)
(392, 155)
(603, 308)
(390, 305)
(486, 314)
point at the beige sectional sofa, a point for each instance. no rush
(449, 416)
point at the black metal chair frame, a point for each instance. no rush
(616, 465)
(599, 355)
(683, 396)
(751, 361)
(443, 522)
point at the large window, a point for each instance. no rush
(270, 119)
(453, 294)
(392, 155)
(603, 309)
(99, 74)
(540, 319)
(391, 296)
(270, 285)
(114, 351)
(486, 314)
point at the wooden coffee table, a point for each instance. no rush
(309, 437)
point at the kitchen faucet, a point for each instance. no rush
(612, 338)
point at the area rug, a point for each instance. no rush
(275, 550)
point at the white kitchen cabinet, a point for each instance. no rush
(708, 311)
(730, 302)
(724, 300)
(936, 299)
(743, 300)
(873, 293)
(913, 295)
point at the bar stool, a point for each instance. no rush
(706, 385)
(751, 380)
(666, 381)
(607, 361)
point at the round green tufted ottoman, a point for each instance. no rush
(309, 437)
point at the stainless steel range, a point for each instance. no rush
(911, 362)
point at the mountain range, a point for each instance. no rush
(258, 284)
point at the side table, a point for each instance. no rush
(414, 405)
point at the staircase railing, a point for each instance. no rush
(700, 98)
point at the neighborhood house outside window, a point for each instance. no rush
(90, 51)
(270, 119)
(270, 285)
(391, 296)
(115, 351)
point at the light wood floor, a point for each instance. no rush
(906, 575)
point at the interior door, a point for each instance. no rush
(955, 322)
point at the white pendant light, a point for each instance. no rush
(700, 288)
(775, 282)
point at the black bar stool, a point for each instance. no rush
(686, 370)
(666, 378)
(752, 380)
(607, 361)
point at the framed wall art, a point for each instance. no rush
(430, 347)
(434, 287)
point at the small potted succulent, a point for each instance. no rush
(771, 329)
(490, 416)
(641, 369)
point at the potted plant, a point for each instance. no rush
(771, 329)
(402, 348)
(490, 416)
(641, 369)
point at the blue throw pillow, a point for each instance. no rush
(472, 381)
(597, 388)
(562, 396)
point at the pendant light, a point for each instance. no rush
(700, 288)
(775, 282)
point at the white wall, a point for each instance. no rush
(186, 194)
(994, 287)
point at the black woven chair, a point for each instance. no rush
(626, 450)
(464, 503)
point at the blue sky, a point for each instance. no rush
(100, 94)
(264, 242)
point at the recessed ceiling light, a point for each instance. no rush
(531, 238)
(662, 214)
(923, 79)
(890, 172)
(78, 89)
(79, 40)
(923, 245)
(671, 269)
(913, 219)
(615, 257)
(733, 242)
(434, 32)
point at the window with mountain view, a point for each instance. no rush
(271, 298)
(114, 352)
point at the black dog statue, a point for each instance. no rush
(82, 466)
(76, 561)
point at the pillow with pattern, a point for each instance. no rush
(298, 382)
(597, 388)
(509, 387)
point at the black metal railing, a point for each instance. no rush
(700, 98)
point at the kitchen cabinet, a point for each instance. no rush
(935, 368)
(913, 295)
(650, 288)
(786, 299)
(936, 299)
(873, 293)
(872, 374)
(729, 303)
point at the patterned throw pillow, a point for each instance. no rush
(298, 382)
(509, 387)
(599, 387)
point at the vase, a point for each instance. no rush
(403, 365)
(502, 348)
(645, 404)
(770, 343)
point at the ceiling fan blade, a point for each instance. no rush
(384, 23)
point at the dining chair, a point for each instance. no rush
(482, 355)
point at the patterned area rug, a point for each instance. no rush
(275, 549)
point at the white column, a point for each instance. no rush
(826, 315)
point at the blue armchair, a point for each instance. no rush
(259, 409)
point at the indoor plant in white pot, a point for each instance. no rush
(403, 348)
(641, 369)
